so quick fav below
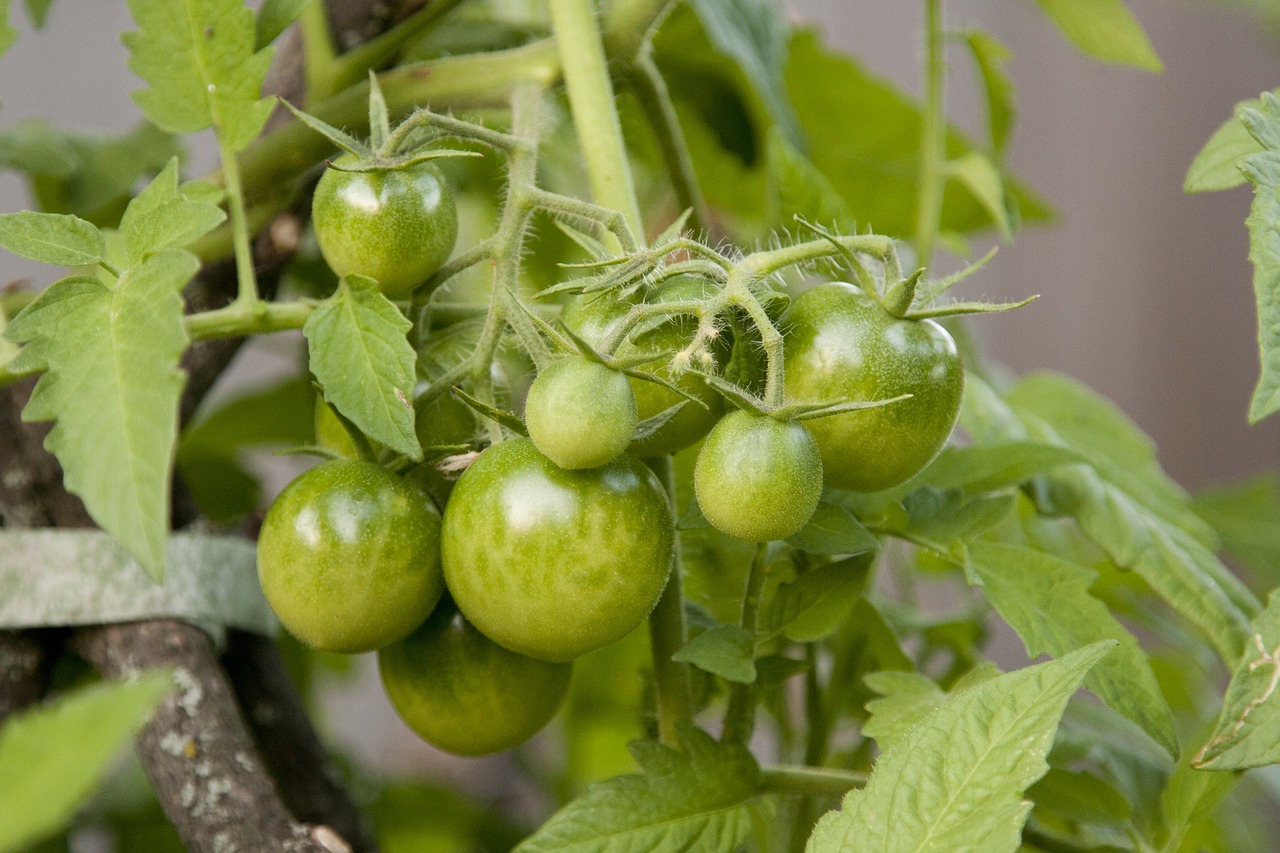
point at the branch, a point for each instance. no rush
(195, 749)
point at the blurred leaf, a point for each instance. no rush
(1246, 516)
(39, 11)
(112, 385)
(456, 823)
(993, 467)
(1047, 601)
(992, 59)
(703, 798)
(977, 172)
(1104, 29)
(274, 17)
(362, 359)
(797, 188)
(966, 765)
(52, 238)
(1263, 172)
(725, 650)
(52, 758)
(8, 32)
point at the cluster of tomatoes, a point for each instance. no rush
(557, 544)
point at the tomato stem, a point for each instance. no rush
(668, 634)
(811, 781)
(651, 90)
(739, 717)
(246, 281)
(251, 318)
(933, 138)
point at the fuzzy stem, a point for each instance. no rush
(246, 283)
(651, 89)
(739, 717)
(252, 318)
(667, 635)
(809, 781)
(932, 137)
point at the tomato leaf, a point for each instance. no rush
(797, 188)
(992, 59)
(907, 698)
(112, 385)
(8, 32)
(362, 359)
(1246, 517)
(834, 531)
(1046, 600)
(725, 650)
(161, 216)
(1263, 172)
(1104, 29)
(701, 798)
(200, 62)
(39, 11)
(52, 238)
(274, 17)
(994, 467)
(1217, 166)
(980, 174)
(1248, 730)
(967, 765)
(52, 758)
(813, 606)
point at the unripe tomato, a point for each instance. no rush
(465, 694)
(554, 563)
(842, 345)
(580, 413)
(756, 478)
(395, 225)
(349, 557)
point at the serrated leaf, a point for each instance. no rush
(199, 58)
(966, 765)
(1104, 29)
(1047, 601)
(160, 216)
(52, 238)
(112, 385)
(362, 359)
(1248, 730)
(274, 17)
(703, 798)
(906, 698)
(1246, 517)
(725, 650)
(1263, 172)
(982, 177)
(992, 59)
(52, 758)
(1216, 167)
(832, 531)
(990, 468)
(815, 604)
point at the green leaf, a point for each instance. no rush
(704, 798)
(1217, 166)
(939, 519)
(52, 238)
(161, 216)
(52, 758)
(39, 11)
(831, 531)
(1247, 518)
(907, 698)
(725, 650)
(1047, 601)
(112, 385)
(8, 32)
(1263, 171)
(274, 18)
(993, 467)
(1248, 730)
(1104, 29)
(362, 359)
(966, 766)
(992, 59)
(797, 188)
(199, 59)
(755, 35)
(815, 604)
(982, 177)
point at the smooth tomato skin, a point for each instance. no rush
(842, 345)
(591, 318)
(758, 479)
(396, 226)
(465, 694)
(580, 413)
(349, 557)
(553, 563)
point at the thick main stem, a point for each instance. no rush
(932, 137)
(667, 635)
(595, 114)
(739, 717)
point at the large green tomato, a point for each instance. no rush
(349, 557)
(395, 225)
(554, 563)
(756, 478)
(463, 692)
(842, 345)
(591, 316)
(580, 413)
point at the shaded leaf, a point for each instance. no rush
(992, 59)
(832, 530)
(798, 189)
(983, 179)
(1247, 518)
(993, 467)
(725, 650)
(813, 606)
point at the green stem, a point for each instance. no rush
(655, 100)
(932, 137)
(352, 66)
(809, 781)
(628, 24)
(246, 282)
(318, 52)
(761, 264)
(252, 318)
(739, 717)
(668, 634)
(591, 101)
(770, 340)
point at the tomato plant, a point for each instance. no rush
(580, 413)
(349, 557)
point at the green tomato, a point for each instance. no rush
(553, 563)
(842, 345)
(580, 413)
(349, 557)
(756, 478)
(396, 225)
(591, 316)
(465, 694)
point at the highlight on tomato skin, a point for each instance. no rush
(553, 563)
(349, 557)
(465, 694)
(841, 345)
